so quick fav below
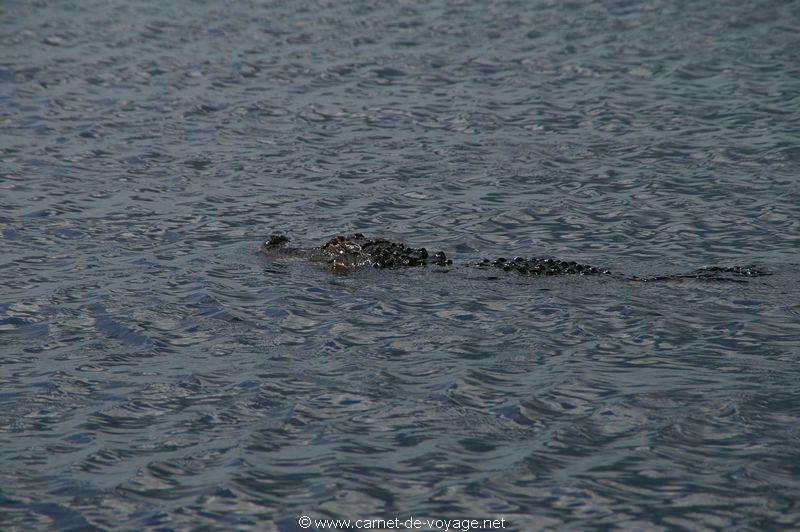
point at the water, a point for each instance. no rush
(159, 373)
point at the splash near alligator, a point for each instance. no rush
(348, 253)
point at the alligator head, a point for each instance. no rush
(345, 253)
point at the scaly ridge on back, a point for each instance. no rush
(536, 266)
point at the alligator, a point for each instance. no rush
(344, 254)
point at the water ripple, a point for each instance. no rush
(157, 372)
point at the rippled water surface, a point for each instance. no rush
(158, 372)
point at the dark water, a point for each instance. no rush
(157, 372)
